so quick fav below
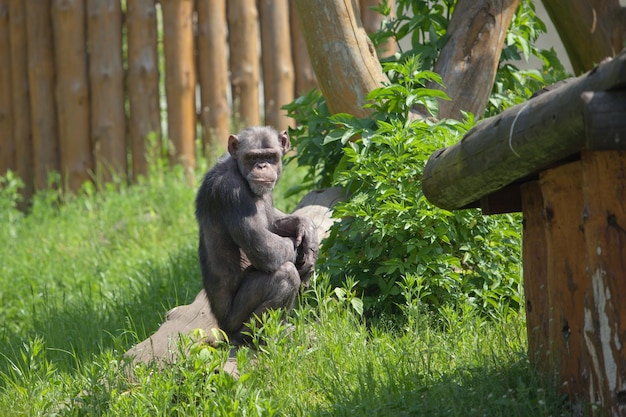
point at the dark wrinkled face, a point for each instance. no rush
(259, 154)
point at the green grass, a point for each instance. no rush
(84, 280)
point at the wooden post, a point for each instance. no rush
(303, 69)
(106, 76)
(7, 141)
(243, 36)
(213, 65)
(278, 77)
(534, 250)
(604, 314)
(143, 81)
(567, 280)
(22, 132)
(41, 78)
(180, 81)
(72, 91)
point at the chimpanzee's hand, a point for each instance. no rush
(304, 235)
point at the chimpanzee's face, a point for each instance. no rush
(259, 157)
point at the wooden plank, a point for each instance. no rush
(7, 141)
(72, 91)
(278, 74)
(243, 36)
(41, 78)
(604, 221)
(143, 81)
(180, 81)
(518, 142)
(566, 275)
(106, 80)
(213, 67)
(535, 257)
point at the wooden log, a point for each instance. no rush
(41, 78)
(22, 131)
(106, 80)
(161, 347)
(143, 81)
(518, 142)
(213, 65)
(180, 81)
(305, 79)
(591, 30)
(344, 59)
(567, 284)
(605, 124)
(534, 253)
(604, 312)
(243, 36)
(72, 91)
(7, 141)
(278, 75)
(471, 54)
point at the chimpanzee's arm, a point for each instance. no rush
(304, 232)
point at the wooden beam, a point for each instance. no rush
(605, 124)
(518, 142)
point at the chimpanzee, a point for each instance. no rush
(252, 256)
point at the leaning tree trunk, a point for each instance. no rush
(591, 30)
(469, 60)
(343, 57)
(7, 141)
(161, 347)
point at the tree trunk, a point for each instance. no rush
(180, 81)
(21, 109)
(591, 30)
(372, 22)
(106, 76)
(278, 77)
(304, 75)
(244, 60)
(143, 81)
(213, 64)
(41, 78)
(72, 91)
(469, 60)
(7, 141)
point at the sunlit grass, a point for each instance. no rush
(83, 281)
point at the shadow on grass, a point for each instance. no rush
(512, 389)
(90, 323)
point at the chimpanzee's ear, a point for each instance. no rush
(233, 145)
(285, 145)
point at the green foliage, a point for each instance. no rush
(388, 229)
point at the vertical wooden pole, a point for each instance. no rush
(567, 283)
(244, 60)
(21, 107)
(143, 81)
(72, 91)
(604, 312)
(278, 77)
(304, 75)
(106, 78)
(41, 78)
(535, 256)
(7, 141)
(180, 80)
(213, 66)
